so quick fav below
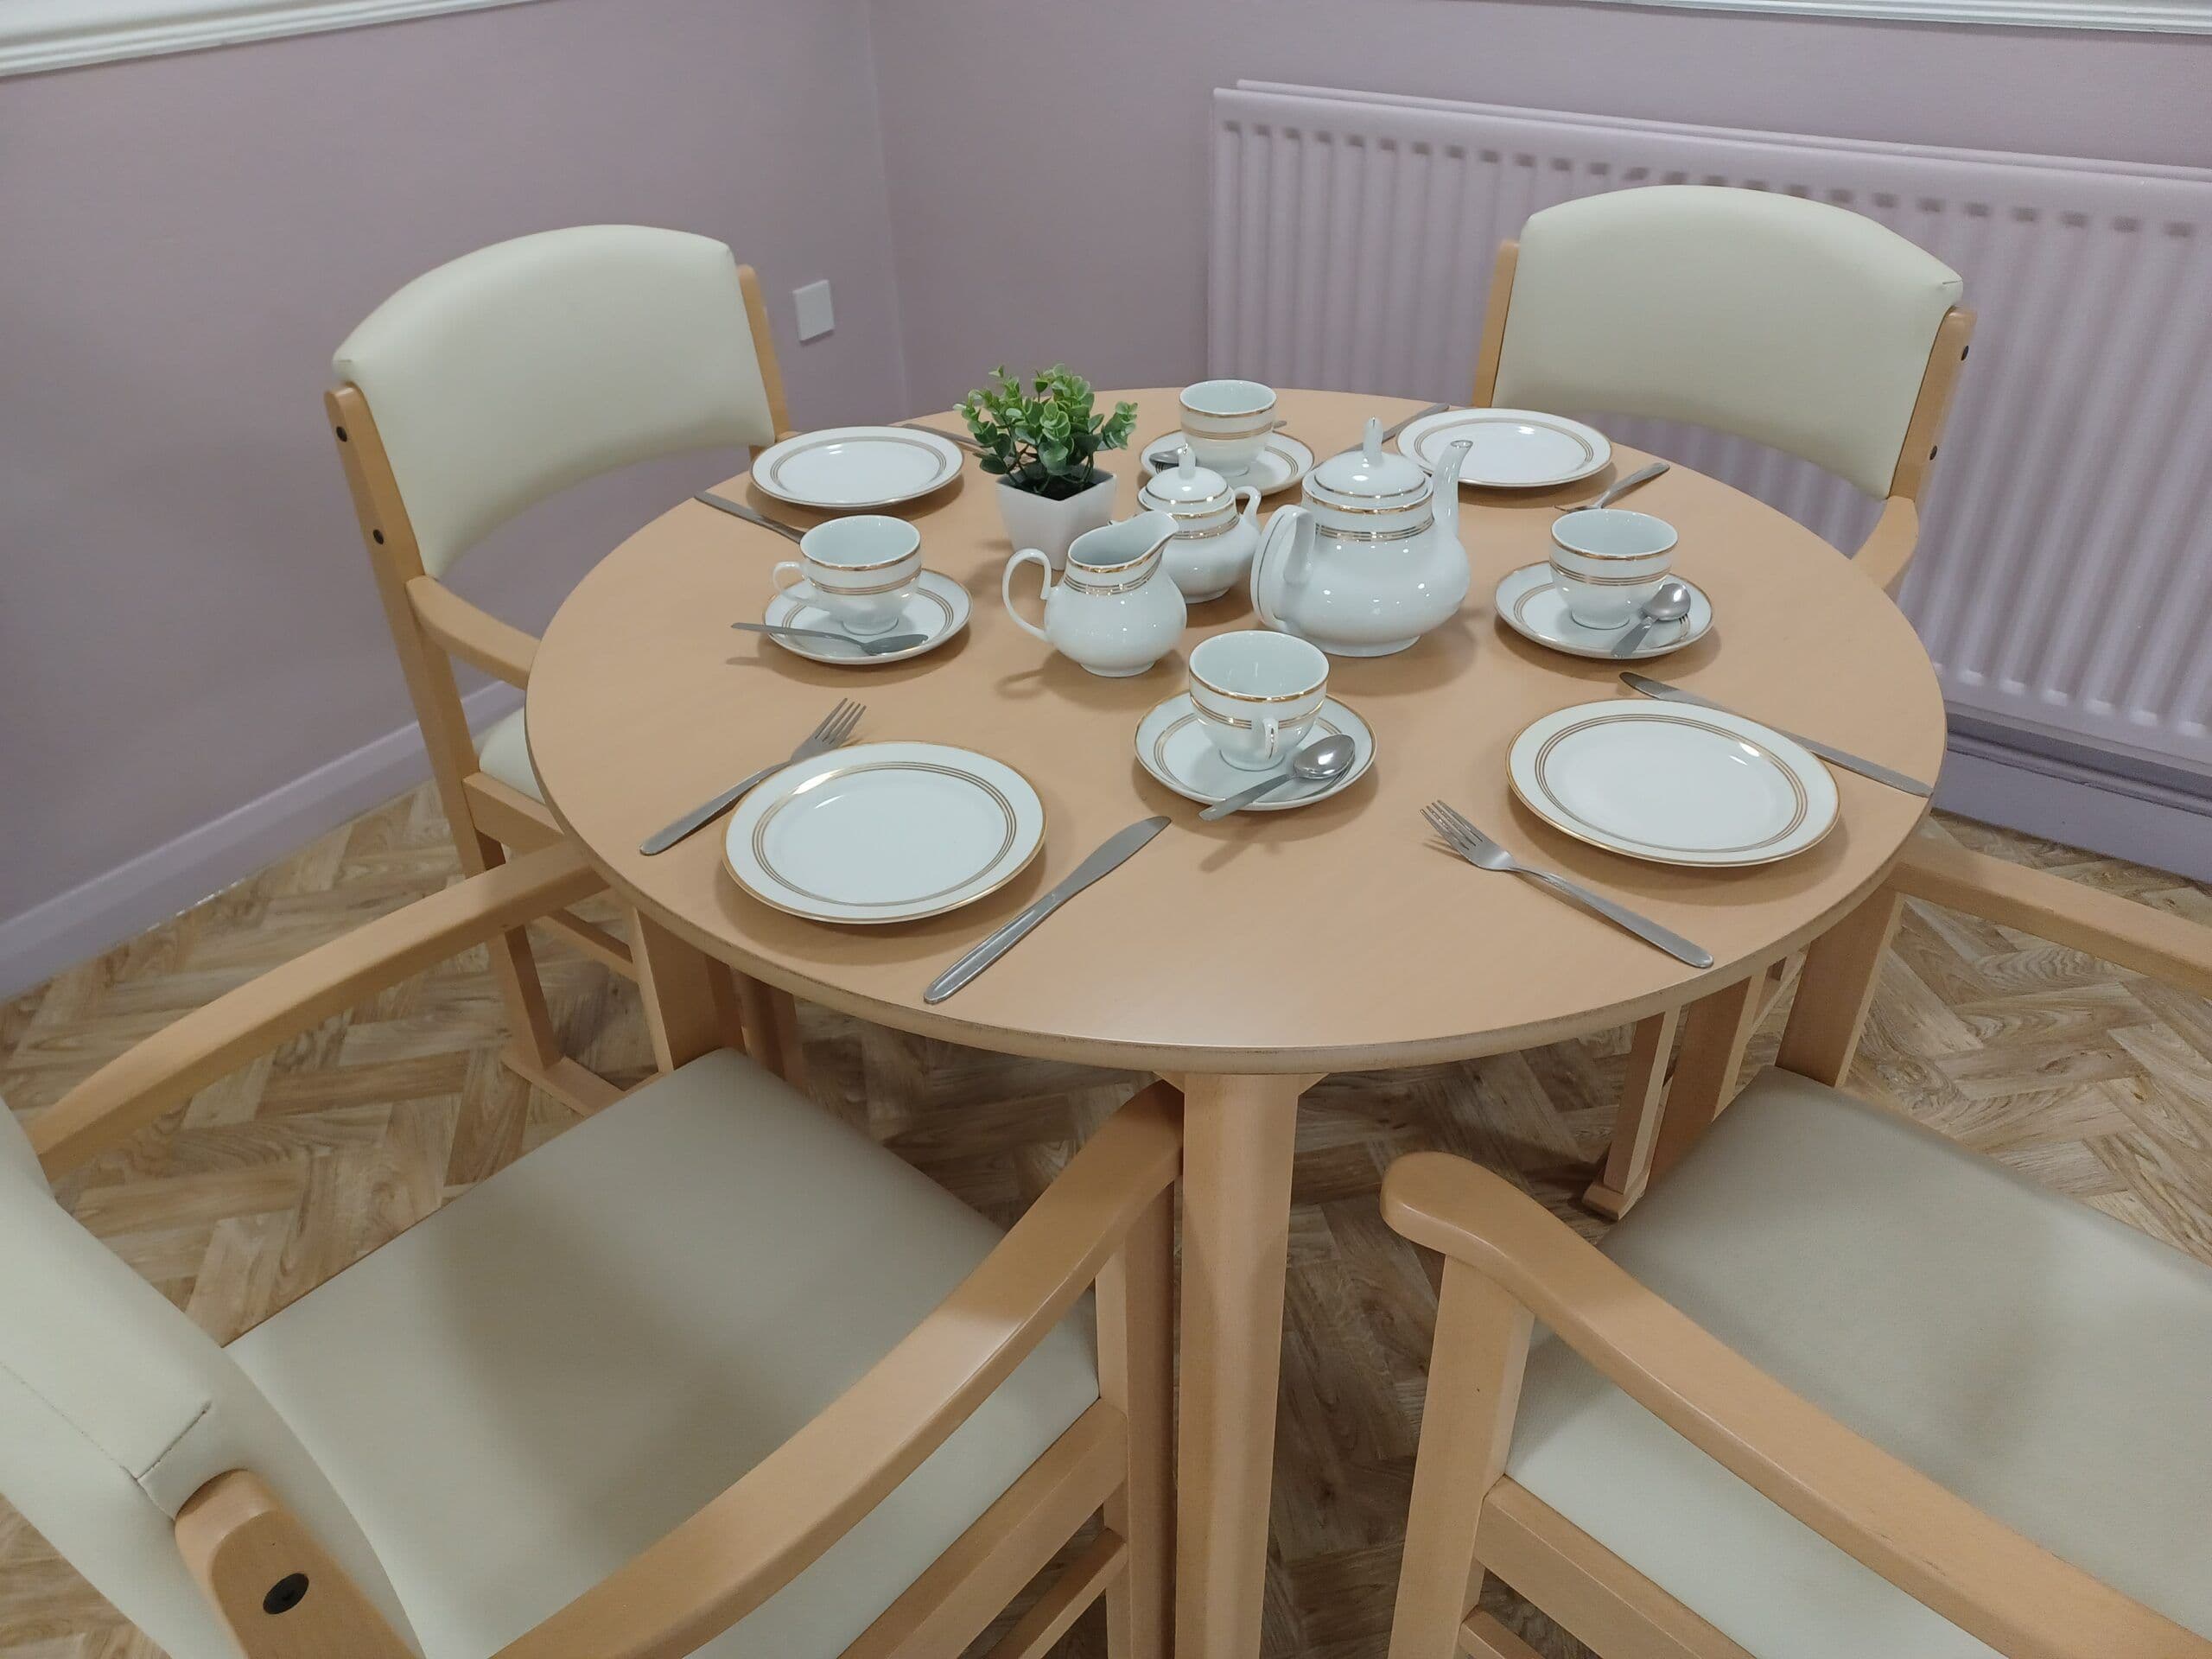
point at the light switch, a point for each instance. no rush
(815, 318)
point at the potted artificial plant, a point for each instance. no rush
(1041, 442)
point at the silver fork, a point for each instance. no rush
(1479, 851)
(836, 726)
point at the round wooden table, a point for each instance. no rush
(1245, 959)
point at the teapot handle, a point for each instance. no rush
(1286, 519)
(1006, 589)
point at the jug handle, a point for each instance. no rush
(1006, 589)
(1286, 519)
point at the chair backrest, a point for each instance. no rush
(1791, 323)
(530, 366)
(115, 1408)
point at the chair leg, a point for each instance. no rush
(1136, 1375)
(1474, 1389)
(771, 1021)
(1714, 1036)
(1636, 1129)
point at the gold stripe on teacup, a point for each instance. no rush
(1616, 559)
(1225, 437)
(1225, 414)
(1405, 535)
(998, 799)
(862, 592)
(1203, 713)
(1253, 696)
(1606, 581)
(1796, 786)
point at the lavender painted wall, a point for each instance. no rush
(1048, 163)
(187, 620)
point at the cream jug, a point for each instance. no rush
(1213, 540)
(1115, 610)
(1370, 559)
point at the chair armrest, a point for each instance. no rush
(1889, 547)
(169, 1067)
(471, 632)
(2115, 930)
(1930, 1543)
(760, 1532)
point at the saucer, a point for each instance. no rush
(1172, 745)
(1280, 465)
(938, 607)
(1530, 604)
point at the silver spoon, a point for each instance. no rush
(1316, 763)
(1621, 487)
(876, 645)
(1670, 604)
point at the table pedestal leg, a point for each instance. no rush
(1238, 1135)
(689, 1005)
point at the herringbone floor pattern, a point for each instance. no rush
(2092, 1080)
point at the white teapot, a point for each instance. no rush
(1371, 560)
(1213, 541)
(1114, 610)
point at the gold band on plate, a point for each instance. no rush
(1797, 785)
(761, 832)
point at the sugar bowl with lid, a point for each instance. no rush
(1213, 538)
(1369, 560)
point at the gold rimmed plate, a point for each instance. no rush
(1674, 785)
(1508, 449)
(856, 468)
(884, 832)
(1172, 746)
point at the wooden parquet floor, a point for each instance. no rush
(2091, 1080)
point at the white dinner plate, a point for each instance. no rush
(1530, 603)
(1672, 784)
(938, 609)
(1511, 449)
(1279, 466)
(855, 468)
(884, 832)
(1172, 745)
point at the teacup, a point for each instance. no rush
(861, 569)
(1226, 423)
(1257, 693)
(1607, 563)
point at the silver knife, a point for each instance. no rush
(739, 510)
(1844, 758)
(1117, 850)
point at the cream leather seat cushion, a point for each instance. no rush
(504, 752)
(524, 1391)
(2035, 1356)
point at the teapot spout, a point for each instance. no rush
(1446, 487)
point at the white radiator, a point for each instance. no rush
(2064, 582)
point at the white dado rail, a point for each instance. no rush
(2064, 581)
(36, 34)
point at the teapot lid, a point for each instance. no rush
(1185, 484)
(1368, 472)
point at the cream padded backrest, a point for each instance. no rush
(530, 366)
(1791, 323)
(115, 1408)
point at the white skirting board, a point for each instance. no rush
(95, 915)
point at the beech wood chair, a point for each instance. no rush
(1838, 1388)
(709, 1372)
(480, 388)
(1794, 323)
